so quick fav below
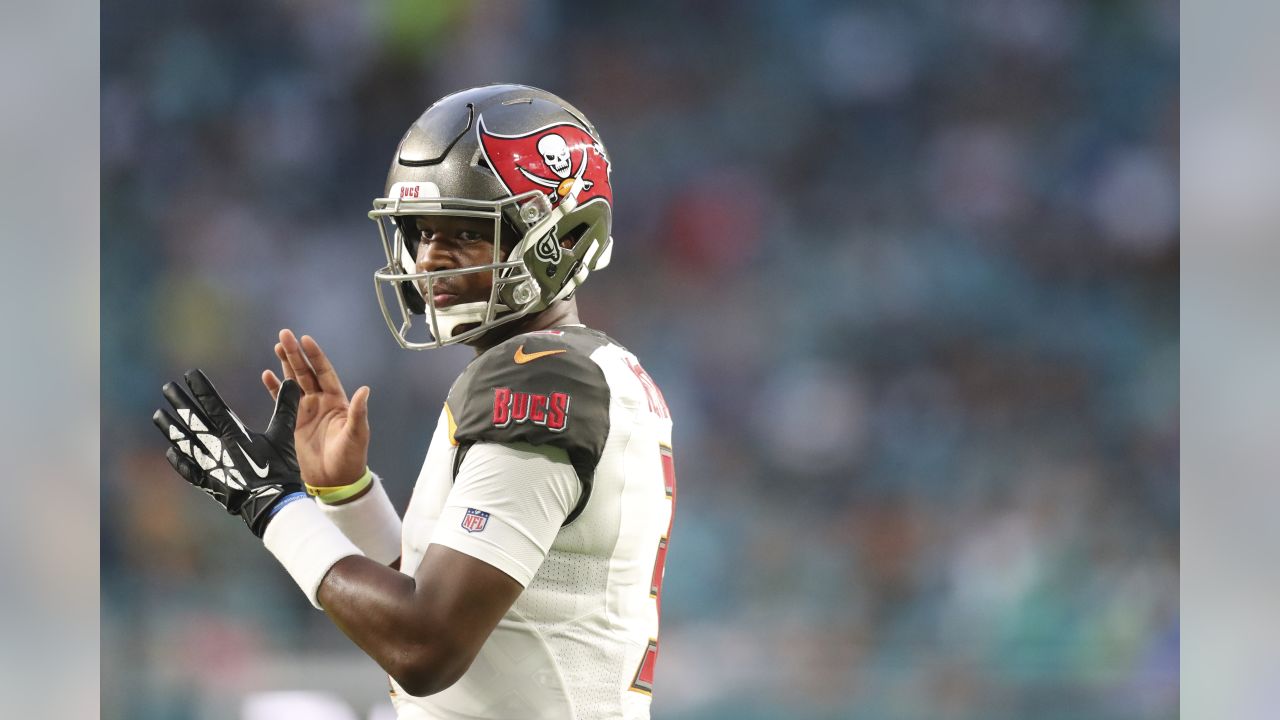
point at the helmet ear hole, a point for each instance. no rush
(573, 236)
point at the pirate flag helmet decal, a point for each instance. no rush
(519, 156)
(549, 159)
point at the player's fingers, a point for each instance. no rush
(183, 465)
(190, 435)
(285, 368)
(358, 414)
(201, 449)
(214, 407)
(172, 428)
(302, 371)
(192, 417)
(325, 374)
(285, 416)
(271, 382)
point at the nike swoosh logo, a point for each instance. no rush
(522, 357)
(243, 429)
(259, 471)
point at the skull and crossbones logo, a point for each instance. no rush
(555, 153)
(557, 156)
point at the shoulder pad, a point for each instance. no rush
(541, 388)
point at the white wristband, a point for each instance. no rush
(306, 544)
(370, 522)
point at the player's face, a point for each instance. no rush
(450, 243)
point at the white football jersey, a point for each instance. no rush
(581, 641)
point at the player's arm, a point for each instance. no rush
(517, 483)
(507, 504)
(423, 630)
(524, 466)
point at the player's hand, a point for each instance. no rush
(246, 472)
(332, 435)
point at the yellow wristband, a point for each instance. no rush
(331, 495)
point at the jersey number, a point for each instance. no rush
(657, 403)
(643, 681)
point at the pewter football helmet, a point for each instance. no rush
(526, 159)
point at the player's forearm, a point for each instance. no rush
(385, 613)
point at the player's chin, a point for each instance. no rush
(468, 327)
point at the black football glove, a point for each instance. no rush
(247, 472)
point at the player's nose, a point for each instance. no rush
(433, 255)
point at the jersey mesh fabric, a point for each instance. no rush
(571, 587)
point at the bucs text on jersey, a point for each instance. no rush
(581, 641)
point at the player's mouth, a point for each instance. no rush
(443, 294)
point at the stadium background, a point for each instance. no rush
(907, 273)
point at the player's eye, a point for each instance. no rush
(470, 235)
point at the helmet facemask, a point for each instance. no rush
(536, 273)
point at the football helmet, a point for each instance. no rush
(520, 156)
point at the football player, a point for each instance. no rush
(524, 580)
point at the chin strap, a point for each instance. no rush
(449, 319)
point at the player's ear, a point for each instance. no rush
(571, 238)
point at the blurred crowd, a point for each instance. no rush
(907, 273)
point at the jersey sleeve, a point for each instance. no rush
(537, 389)
(507, 505)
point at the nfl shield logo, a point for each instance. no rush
(474, 520)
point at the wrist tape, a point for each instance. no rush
(330, 495)
(307, 545)
(370, 522)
